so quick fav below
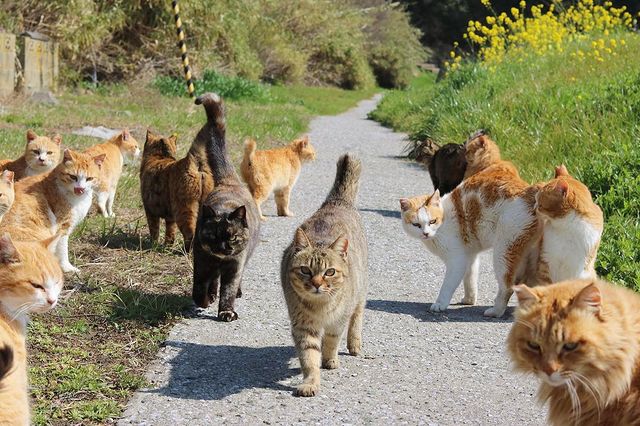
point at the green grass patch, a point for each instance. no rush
(89, 354)
(545, 111)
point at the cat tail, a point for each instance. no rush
(249, 150)
(6, 360)
(345, 186)
(212, 136)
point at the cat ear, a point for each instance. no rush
(99, 159)
(525, 295)
(239, 214)
(482, 141)
(208, 211)
(57, 139)
(304, 141)
(8, 253)
(8, 176)
(150, 135)
(589, 298)
(125, 134)
(562, 187)
(51, 242)
(301, 241)
(341, 245)
(435, 199)
(31, 135)
(67, 156)
(405, 204)
(561, 170)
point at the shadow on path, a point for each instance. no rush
(455, 313)
(205, 372)
(384, 213)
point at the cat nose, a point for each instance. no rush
(316, 281)
(550, 367)
(52, 302)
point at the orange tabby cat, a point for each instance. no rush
(57, 200)
(7, 192)
(41, 155)
(30, 281)
(275, 170)
(119, 148)
(481, 153)
(582, 339)
(173, 189)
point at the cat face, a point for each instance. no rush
(563, 195)
(158, 146)
(30, 276)
(223, 234)
(128, 145)
(422, 215)
(304, 149)
(318, 272)
(7, 193)
(42, 154)
(558, 334)
(78, 173)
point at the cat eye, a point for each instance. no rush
(74, 178)
(38, 286)
(570, 346)
(533, 346)
(417, 225)
(35, 151)
(432, 222)
(89, 179)
(305, 271)
(232, 239)
(330, 272)
(49, 152)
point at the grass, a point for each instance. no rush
(89, 354)
(544, 111)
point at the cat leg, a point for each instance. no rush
(455, 270)
(260, 197)
(282, 201)
(501, 267)
(229, 284)
(62, 253)
(154, 228)
(307, 341)
(354, 334)
(187, 224)
(112, 197)
(470, 282)
(330, 342)
(206, 279)
(170, 232)
(103, 198)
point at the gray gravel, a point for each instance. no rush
(416, 368)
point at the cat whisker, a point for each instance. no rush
(575, 400)
(590, 388)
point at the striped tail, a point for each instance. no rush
(183, 49)
(345, 186)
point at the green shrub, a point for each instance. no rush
(211, 81)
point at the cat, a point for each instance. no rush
(491, 209)
(573, 225)
(40, 156)
(30, 281)
(481, 152)
(324, 279)
(172, 189)
(581, 338)
(59, 199)
(119, 148)
(7, 192)
(228, 226)
(275, 170)
(446, 166)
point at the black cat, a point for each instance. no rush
(446, 164)
(228, 221)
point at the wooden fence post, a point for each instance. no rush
(39, 63)
(7, 64)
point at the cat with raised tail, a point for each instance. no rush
(324, 279)
(228, 224)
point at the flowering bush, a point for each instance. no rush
(537, 30)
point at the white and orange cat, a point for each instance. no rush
(572, 224)
(30, 281)
(493, 208)
(275, 170)
(120, 148)
(581, 338)
(58, 200)
(7, 192)
(41, 155)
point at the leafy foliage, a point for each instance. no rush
(211, 81)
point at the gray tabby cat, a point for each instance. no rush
(228, 222)
(324, 279)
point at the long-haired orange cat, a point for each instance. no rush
(117, 150)
(581, 338)
(57, 200)
(41, 155)
(30, 281)
(481, 152)
(275, 170)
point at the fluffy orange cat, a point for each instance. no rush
(581, 338)
(117, 150)
(58, 200)
(481, 153)
(275, 170)
(30, 281)
(7, 192)
(40, 156)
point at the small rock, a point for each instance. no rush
(44, 98)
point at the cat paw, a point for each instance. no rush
(438, 307)
(468, 300)
(331, 364)
(70, 268)
(354, 347)
(307, 389)
(263, 218)
(227, 316)
(494, 312)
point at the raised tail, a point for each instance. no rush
(249, 150)
(212, 136)
(345, 186)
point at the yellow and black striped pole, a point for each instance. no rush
(183, 49)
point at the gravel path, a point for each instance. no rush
(416, 368)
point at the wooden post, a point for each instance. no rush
(7, 64)
(40, 63)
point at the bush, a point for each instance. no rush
(211, 81)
